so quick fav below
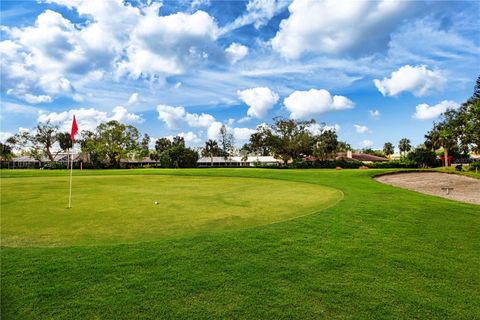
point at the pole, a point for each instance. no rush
(71, 173)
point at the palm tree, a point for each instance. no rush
(441, 136)
(404, 146)
(388, 149)
(211, 148)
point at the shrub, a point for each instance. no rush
(474, 165)
(55, 165)
(423, 157)
(404, 163)
(326, 164)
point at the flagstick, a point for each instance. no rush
(71, 173)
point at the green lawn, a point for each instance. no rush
(123, 209)
(380, 252)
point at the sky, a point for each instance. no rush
(375, 71)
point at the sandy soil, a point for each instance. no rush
(464, 188)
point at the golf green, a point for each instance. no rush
(137, 208)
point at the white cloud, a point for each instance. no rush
(8, 107)
(360, 129)
(174, 117)
(258, 13)
(318, 128)
(213, 131)
(244, 119)
(134, 98)
(4, 136)
(426, 39)
(374, 114)
(336, 26)
(426, 112)
(199, 3)
(304, 104)
(415, 79)
(88, 119)
(242, 134)
(260, 100)
(30, 98)
(366, 144)
(190, 137)
(199, 121)
(239, 134)
(236, 52)
(177, 85)
(169, 45)
(52, 55)
(121, 114)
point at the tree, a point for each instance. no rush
(458, 128)
(178, 141)
(258, 145)
(326, 145)
(27, 142)
(40, 142)
(404, 146)
(388, 149)
(111, 142)
(443, 135)
(378, 153)
(476, 92)
(211, 150)
(144, 146)
(467, 121)
(64, 141)
(162, 144)
(289, 138)
(227, 142)
(423, 157)
(6, 153)
(178, 156)
(342, 146)
(46, 136)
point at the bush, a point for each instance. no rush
(423, 157)
(474, 165)
(327, 164)
(393, 164)
(55, 165)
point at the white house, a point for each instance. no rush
(238, 161)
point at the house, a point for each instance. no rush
(363, 157)
(138, 163)
(351, 156)
(252, 161)
(28, 162)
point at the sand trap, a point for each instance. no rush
(464, 188)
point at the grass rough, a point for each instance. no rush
(380, 253)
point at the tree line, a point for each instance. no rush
(290, 140)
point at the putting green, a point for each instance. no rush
(122, 209)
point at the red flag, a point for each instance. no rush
(74, 128)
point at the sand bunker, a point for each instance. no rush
(464, 188)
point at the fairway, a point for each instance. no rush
(122, 209)
(234, 244)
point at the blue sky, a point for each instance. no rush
(376, 71)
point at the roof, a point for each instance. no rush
(58, 157)
(24, 159)
(143, 160)
(361, 157)
(261, 159)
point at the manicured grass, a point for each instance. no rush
(122, 209)
(381, 252)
